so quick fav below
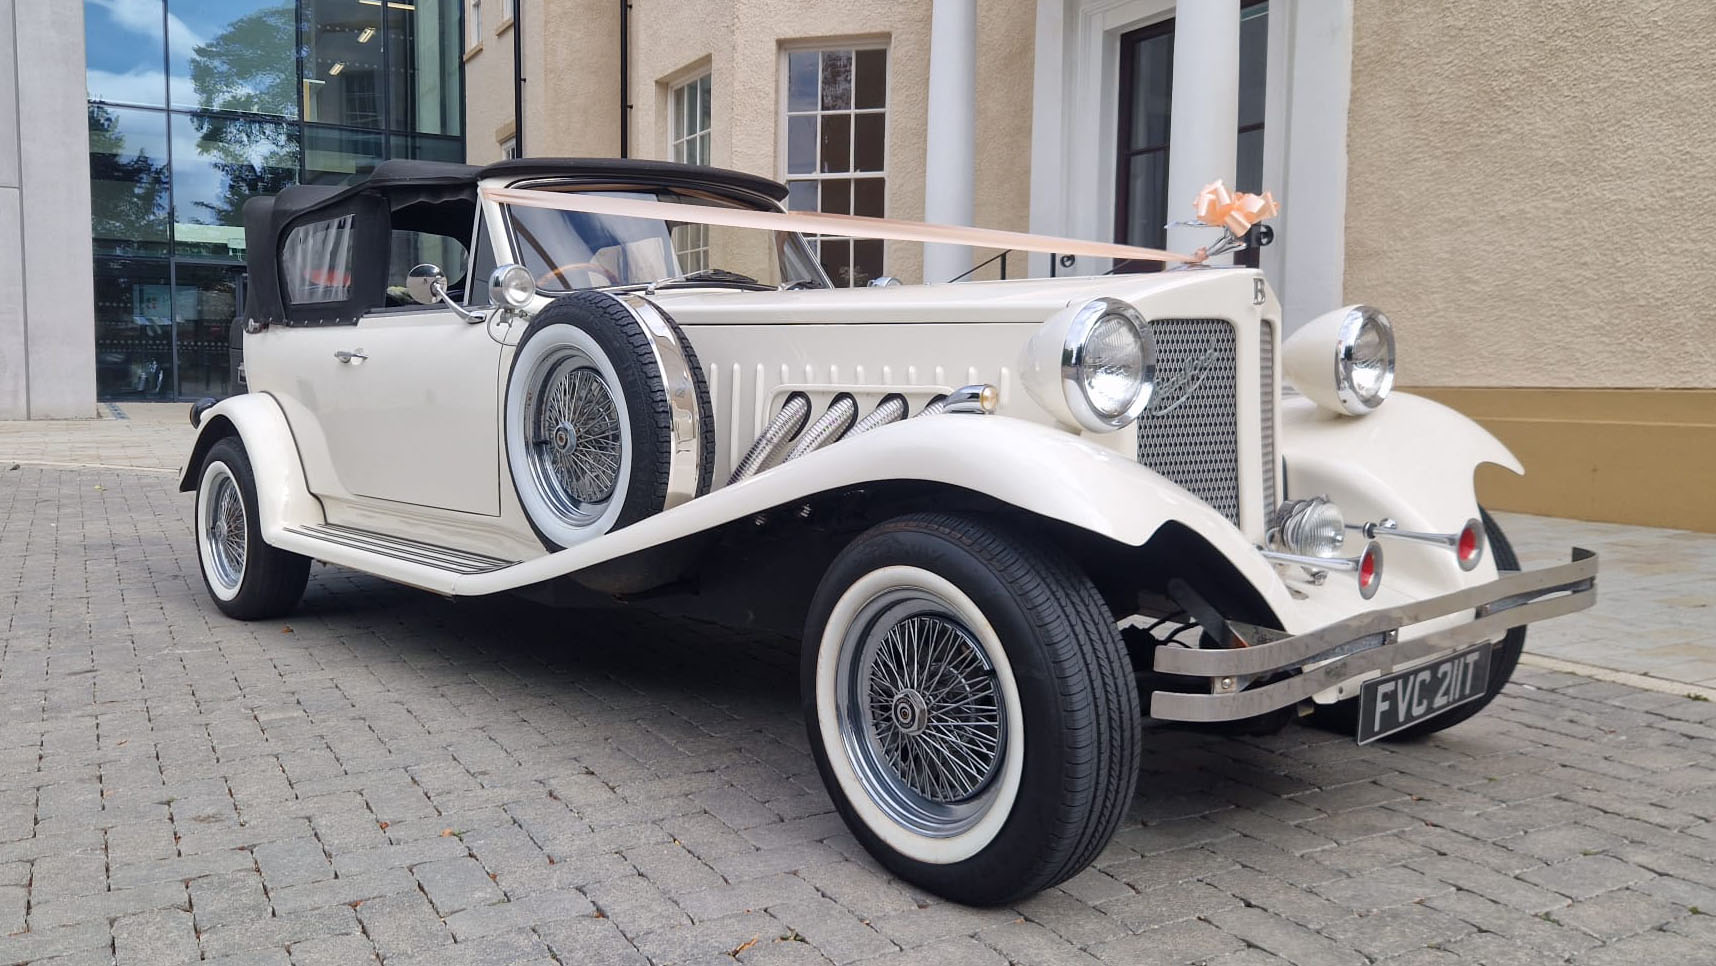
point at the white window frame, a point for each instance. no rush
(509, 147)
(473, 24)
(704, 85)
(783, 113)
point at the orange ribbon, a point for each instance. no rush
(1218, 207)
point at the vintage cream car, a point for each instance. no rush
(1019, 523)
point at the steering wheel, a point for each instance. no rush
(559, 271)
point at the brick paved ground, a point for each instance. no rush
(392, 775)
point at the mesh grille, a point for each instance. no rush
(1266, 413)
(1191, 430)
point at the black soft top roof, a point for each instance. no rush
(406, 182)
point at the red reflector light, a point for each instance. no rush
(1370, 570)
(1470, 548)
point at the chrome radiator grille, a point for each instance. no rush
(1190, 433)
(1266, 405)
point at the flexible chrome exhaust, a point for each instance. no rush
(782, 429)
(830, 426)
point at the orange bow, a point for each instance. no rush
(1217, 207)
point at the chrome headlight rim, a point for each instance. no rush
(512, 286)
(1352, 399)
(1085, 410)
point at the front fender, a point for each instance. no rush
(1412, 460)
(1045, 471)
(282, 496)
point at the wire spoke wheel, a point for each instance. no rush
(574, 436)
(224, 531)
(922, 716)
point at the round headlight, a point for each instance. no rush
(1364, 361)
(1108, 365)
(1312, 528)
(512, 286)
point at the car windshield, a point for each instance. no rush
(571, 250)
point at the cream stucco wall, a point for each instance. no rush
(572, 88)
(1529, 189)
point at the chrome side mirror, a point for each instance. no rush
(426, 284)
(882, 281)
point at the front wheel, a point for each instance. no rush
(248, 579)
(970, 706)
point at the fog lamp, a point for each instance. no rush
(1312, 528)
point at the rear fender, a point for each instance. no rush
(282, 496)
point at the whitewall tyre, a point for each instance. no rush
(247, 578)
(589, 421)
(970, 706)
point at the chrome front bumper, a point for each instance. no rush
(1364, 643)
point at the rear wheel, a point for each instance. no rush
(970, 707)
(248, 579)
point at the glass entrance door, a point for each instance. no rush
(1141, 204)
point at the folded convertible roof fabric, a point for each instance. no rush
(817, 223)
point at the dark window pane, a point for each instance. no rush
(1253, 61)
(427, 147)
(1147, 200)
(411, 248)
(219, 163)
(423, 55)
(333, 155)
(1153, 90)
(1249, 174)
(342, 65)
(801, 80)
(837, 260)
(836, 143)
(122, 44)
(866, 260)
(205, 301)
(128, 180)
(836, 80)
(133, 329)
(233, 55)
(704, 89)
(867, 197)
(801, 196)
(870, 87)
(482, 266)
(801, 144)
(837, 196)
(869, 141)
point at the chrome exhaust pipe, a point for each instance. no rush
(782, 429)
(834, 423)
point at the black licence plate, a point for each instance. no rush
(1395, 701)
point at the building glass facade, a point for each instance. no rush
(197, 105)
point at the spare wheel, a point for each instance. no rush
(607, 417)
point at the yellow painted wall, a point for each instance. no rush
(1528, 189)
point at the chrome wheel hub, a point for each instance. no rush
(225, 531)
(574, 436)
(921, 713)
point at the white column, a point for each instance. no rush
(950, 162)
(1204, 131)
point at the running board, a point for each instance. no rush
(429, 555)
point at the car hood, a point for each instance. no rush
(1018, 300)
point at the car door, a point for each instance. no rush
(407, 402)
(390, 400)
